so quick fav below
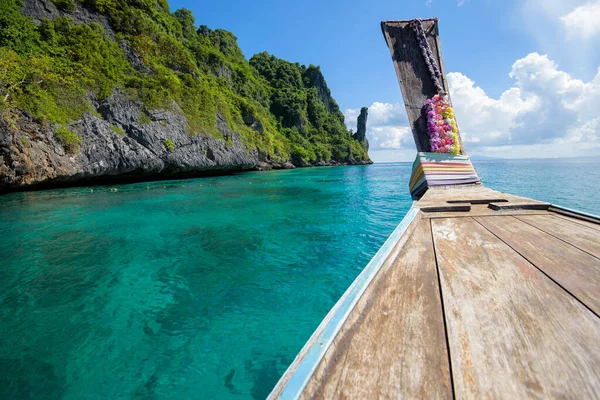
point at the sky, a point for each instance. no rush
(524, 75)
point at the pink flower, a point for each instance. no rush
(440, 125)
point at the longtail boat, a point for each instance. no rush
(476, 293)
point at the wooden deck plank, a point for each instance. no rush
(294, 379)
(481, 210)
(393, 343)
(447, 208)
(519, 206)
(462, 214)
(551, 255)
(439, 196)
(513, 332)
(592, 225)
(585, 238)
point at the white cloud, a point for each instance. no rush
(387, 114)
(387, 126)
(546, 113)
(582, 22)
(559, 29)
(390, 137)
(547, 106)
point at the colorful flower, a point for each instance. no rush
(441, 126)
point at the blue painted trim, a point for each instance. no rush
(343, 307)
(577, 212)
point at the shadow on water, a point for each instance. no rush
(265, 375)
(29, 378)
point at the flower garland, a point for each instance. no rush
(432, 66)
(441, 126)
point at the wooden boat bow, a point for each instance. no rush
(412, 73)
(476, 294)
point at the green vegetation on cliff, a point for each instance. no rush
(51, 69)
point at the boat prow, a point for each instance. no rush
(476, 294)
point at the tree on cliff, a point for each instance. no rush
(87, 49)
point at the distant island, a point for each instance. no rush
(94, 89)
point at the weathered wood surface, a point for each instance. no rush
(316, 341)
(414, 77)
(447, 208)
(551, 255)
(477, 201)
(513, 332)
(588, 223)
(519, 206)
(393, 343)
(478, 210)
(478, 196)
(585, 238)
(517, 298)
(575, 217)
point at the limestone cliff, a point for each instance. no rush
(96, 91)
(361, 128)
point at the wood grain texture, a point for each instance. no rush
(413, 76)
(519, 206)
(476, 193)
(316, 338)
(585, 238)
(576, 271)
(478, 212)
(393, 343)
(476, 201)
(477, 197)
(447, 208)
(513, 332)
(589, 223)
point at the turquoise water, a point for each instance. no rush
(202, 288)
(571, 183)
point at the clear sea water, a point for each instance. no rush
(203, 288)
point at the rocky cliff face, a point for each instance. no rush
(315, 78)
(361, 128)
(40, 9)
(116, 144)
(123, 139)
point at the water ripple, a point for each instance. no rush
(201, 288)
